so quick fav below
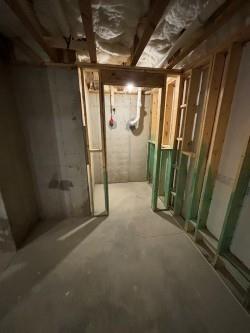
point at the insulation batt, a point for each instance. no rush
(178, 15)
(116, 24)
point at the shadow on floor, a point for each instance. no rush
(44, 227)
(38, 258)
(169, 218)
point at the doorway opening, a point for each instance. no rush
(128, 130)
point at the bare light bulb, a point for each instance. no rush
(130, 87)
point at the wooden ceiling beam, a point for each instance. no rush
(148, 70)
(119, 77)
(87, 21)
(98, 67)
(153, 17)
(218, 19)
(18, 9)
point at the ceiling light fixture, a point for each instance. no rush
(130, 87)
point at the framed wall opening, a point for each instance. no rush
(106, 84)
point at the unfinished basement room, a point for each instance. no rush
(125, 166)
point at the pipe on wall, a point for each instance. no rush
(134, 123)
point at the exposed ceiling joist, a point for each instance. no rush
(28, 51)
(153, 17)
(87, 20)
(19, 8)
(120, 77)
(129, 68)
(218, 19)
(92, 67)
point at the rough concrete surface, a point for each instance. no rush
(48, 102)
(17, 194)
(128, 164)
(134, 271)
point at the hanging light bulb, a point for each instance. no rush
(130, 87)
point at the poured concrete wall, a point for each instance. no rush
(126, 150)
(18, 201)
(49, 106)
(236, 139)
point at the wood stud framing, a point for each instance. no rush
(223, 252)
(216, 111)
(168, 113)
(177, 172)
(87, 20)
(220, 127)
(190, 110)
(171, 114)
(152, 19)
(140, 79)
(157, 153)
(103, 136)
(177, 141)
(86, 137)
(210, 107)
(220, 17)
(235, 202)
(120, 76)
(180, 183)
(176, 144)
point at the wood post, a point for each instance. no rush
(191, 109)
(211, 102)
(103, 136)
(87, 21)
(235, 202)
(180, 185)
(157, 155)
(168, 177)
(186, 143)
(86, 137)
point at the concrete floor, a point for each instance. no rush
(134, 271)
(7, 245)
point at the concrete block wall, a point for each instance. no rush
(126, 150)
(18, 200)
(48, 102)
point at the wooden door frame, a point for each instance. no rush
(140, 78)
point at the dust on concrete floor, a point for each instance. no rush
(134, 271)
